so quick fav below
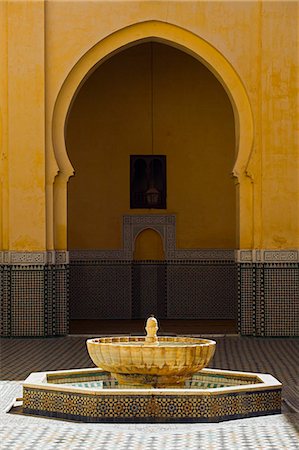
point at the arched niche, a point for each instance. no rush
(199, 49)
(148, 245)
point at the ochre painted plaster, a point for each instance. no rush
(190, 44)
(48, 48)
(3, 129)
(24, 137)
(280, 125)
(148, 245)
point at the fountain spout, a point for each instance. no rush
(151, 331)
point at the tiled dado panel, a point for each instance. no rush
(33, 294)
(100, 289)
(34, 289)
(137, 289)
(117, 289)
(149, 289)
(269, 294)
(202, 290)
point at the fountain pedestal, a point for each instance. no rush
(155, 379)
(92, 395)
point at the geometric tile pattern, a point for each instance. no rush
(268, 299)
(34, 300)
(149, 294)
(246, 299)
(22, 258)
(203, 283)
(147, 407)
(31, 433)
(170, 289)
(35, 297)
(281, 300)
(267, 255)
(201, 290)
(100, 290)
(5, 310)
(27, 301)
(58, 292)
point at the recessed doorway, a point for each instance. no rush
(149, 99)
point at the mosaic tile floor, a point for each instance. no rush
(19, 357)
(32, 433)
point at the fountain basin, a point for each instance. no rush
(92, 395)
(167, 362)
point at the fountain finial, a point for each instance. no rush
(151, 331)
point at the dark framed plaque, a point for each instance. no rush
(148, 181)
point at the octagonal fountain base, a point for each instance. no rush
(92, 395)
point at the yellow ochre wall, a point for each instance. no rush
(22, 126)
(42, 41)
(193, 125)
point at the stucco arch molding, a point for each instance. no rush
(129, 36)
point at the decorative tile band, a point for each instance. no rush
(63, 257)
(99, 255)
(92, 395)
(203, 254)
(267, 255)
(149, 219)
(147, 408)
(175, 255)
(34, 258)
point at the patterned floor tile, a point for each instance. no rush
(20, 357)
(32, 433)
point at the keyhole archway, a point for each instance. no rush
(154, 99)
(192, 45)
(185, 43)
